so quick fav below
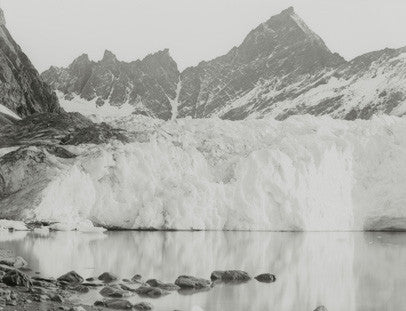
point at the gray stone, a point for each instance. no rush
(114, 292)
(71, 277)
(230, 276)
(152, 292)
(136, 278)
(162, 285)
(17, 278)
(118, 304)
(142, 306)
(190, 282)
(16, 262)
(107, 277)
(266, 278)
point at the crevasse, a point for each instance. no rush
(304, 173)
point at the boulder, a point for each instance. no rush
(321, 308)
(142, 306)
(71, 278)
(266, 278)
(16, 262)
(118, 304)
(230, 276)
(16, 278)
(152, 292)
(162, 285)
(114, 292)
(136, 278)
(191, 282)
(107, 277)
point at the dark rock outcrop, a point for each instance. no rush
(58, 128)
(21, 88)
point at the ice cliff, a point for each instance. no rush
(304, 173)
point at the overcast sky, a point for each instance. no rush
(54, 32)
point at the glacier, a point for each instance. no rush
(305, 173)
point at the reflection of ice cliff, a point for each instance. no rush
(304, 173)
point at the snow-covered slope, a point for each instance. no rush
(304, 173)
(374, 83)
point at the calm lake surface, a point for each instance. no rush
(343, 271)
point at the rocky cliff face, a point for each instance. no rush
(21, 88)
(149, 84)
(282, 68)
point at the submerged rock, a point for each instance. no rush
(71, 277)
(118, 304)
(142, 306)
(191, 282)
(152, 292)
(162, 285)
(230, 276)
(107, 277)
(321, 308)
(114, 292)
(266, 278)
(16, 278)
(82, 289)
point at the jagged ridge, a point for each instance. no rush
(282, 68)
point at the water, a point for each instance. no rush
(343, 271)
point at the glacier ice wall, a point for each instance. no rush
(304, 173)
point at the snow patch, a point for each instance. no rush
(89, 108)
(175, 101)
(5, 110)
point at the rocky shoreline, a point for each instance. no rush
(23, 289)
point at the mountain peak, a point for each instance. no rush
(82, 58)
(2, 18)
(109, 56)
(289, 11)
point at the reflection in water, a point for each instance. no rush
(343, 271)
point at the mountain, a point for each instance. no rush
(149, 84)
(281, 68)
(22, 91)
